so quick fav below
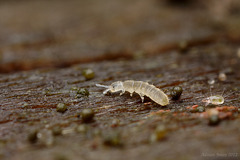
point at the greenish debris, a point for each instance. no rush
(88, 74)
(61, 107)
(87, 115)
(183, 46)
(112, 139)
(74, 88)
(159, 134)
(60, 157)
(47, 92)
(139, 55)
(159, 75)
(2, 145)
(82, 92)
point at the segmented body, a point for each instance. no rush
(141, 88)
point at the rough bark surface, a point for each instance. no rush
(45, 46)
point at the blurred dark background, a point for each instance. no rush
(57, 33)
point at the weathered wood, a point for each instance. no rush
(119, 40)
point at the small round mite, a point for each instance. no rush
(88, 74)
(112, 139)
(215, 100)
(176, 92)
(87, 115)
(61, 107)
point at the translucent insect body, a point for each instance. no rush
(141, 88)
(216, 100)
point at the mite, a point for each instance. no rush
(215, 100)
(141, 88)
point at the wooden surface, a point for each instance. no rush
(45, 45)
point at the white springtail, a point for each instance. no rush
(141, 88)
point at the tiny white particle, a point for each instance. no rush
(211, 81)
(222, 77)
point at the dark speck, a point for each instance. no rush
(176, 92)
(87, 115)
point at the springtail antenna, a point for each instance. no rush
(105, 91)
(99, 85)
(229, 94)
(223, 91)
